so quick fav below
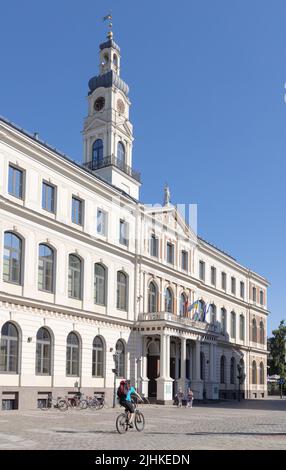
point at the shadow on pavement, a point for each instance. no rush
(273, 404)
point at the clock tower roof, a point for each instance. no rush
(108, 80)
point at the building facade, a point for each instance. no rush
(92, 280)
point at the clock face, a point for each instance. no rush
(120, 106)
(99, 103)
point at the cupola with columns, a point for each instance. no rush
(107, 132)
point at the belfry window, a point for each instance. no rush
(121, 152)
(97, 151)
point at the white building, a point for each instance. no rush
(87, 270)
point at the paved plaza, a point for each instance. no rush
(256, 424)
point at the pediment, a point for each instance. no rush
(125, 127)
(93, 123)
(171, 220)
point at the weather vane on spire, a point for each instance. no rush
(109, 18)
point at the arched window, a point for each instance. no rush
(121, 152)
(222, 369)
(261, 373)
(72, 366)
(203, 366)
(46, 268)
(120, 358)
(261, 332)
(75, 277)
(115, 60)
(183, 304)
(168, 300)
(233, 325)
(97, 357)
(212, 313)
(97, 151)
(254, 372)
(43, 352)
(241, 327)
(99, 284)
(152, 298)
(254, 331)
(232, 370)
(12, 262)
(223, 320)
(9, 348)
(122, 290)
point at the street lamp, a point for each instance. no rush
(118, 352)
(115, 372)
(241, 377)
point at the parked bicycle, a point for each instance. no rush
(122, 422)
(96, 403)
(76, 402)
(52, 402)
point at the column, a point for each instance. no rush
(163, 341)
(168, 356)
(211, 362)
(182, 381)
(198, 361)
(144, 379)
(197, 383)
(164, 382)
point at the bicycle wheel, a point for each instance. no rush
(121, 423)
(139, 421)
(62, 405)
(83, 405)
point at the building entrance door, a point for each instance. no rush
(153, 371)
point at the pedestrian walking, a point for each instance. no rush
(180, 396)
(190, 398)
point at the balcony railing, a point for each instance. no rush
(113, 161)
(176, 318)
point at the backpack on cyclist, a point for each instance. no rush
(121, 391)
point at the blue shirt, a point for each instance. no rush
(129, 393)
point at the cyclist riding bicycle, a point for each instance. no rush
(124, 393)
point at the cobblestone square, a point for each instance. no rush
(253, 424)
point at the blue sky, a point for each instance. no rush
(207, 86)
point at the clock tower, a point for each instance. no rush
(107, 132)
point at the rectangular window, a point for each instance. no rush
(213, 275)
(233, 285)
(254, 294)
(261, 297)
(77, 211)
(48, 197)
(202, 270)
(170, 253)
(223, 281)
(185, 260)
(242, 290)
(123, 233)
(154, 246)
(101, 222)
(15, 184)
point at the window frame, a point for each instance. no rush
(81, 211)
(20, 268)
(22, 172)
(46, 184)
(52, 291)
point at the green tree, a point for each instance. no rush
(277, 360)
